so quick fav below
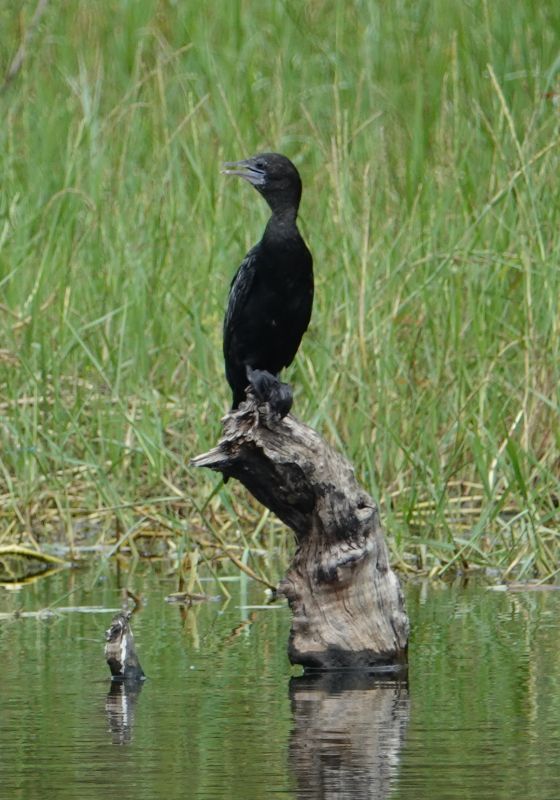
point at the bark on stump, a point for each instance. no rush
(347, 606)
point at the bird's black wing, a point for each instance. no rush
(239, 291)
(297, 311)
(234, 334)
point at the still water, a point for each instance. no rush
(223, 715)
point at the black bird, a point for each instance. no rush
(271, 295)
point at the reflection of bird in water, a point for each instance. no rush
(271, 295)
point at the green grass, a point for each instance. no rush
(427, 135)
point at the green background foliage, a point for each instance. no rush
(427, 137)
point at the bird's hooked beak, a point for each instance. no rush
(247, 170)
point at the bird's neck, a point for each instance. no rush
(282, 226)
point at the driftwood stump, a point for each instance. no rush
(127, 678)
(347, 606)
(120, 650)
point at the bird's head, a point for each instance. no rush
(273, 175)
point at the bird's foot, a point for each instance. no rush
(267, 388)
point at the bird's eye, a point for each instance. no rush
(260, 164)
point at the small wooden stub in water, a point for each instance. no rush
(120, 651)
(347, 605)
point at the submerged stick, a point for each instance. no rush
(347, 606)
(27, 552)
(120, 651)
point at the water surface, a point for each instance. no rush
(223, 715)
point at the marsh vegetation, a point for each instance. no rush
(427, 135)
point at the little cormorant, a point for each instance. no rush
(271, 295)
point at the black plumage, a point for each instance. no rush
(271, 295)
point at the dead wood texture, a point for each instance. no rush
(346, 602)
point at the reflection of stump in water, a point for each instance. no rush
(347, 735)
(346, 602)
(120, 706)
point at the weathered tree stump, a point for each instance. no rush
(347, 606)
